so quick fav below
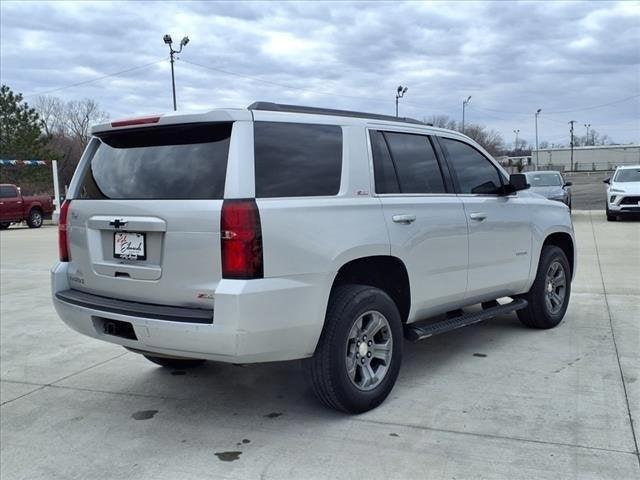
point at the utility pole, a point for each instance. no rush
(167, 39)
(586, 139)
(399, 94)
(515, 148)
(537, 153)
(571, 131)
(464, 104)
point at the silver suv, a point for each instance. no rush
(279, 232)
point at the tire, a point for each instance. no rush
(543, 311)
(611, 218)
(354, 311)
(4, 225)
(177, 363)
(35, 218)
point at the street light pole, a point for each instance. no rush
(586, 139)
(399, 94)
(464, 105)
(517, 131)
(571, 131)
(537, 152)
(167, 39)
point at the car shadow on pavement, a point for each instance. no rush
(275, 390)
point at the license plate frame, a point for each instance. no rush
(141, 242)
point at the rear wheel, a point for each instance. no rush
(35, 218)
(359, 353)
(177, 363)
(4, 225)
(549, 296)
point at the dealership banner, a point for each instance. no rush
(24, 162)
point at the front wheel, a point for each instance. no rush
(549, 295)
(359, 353)
(4, 225)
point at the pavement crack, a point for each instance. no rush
(615, 345)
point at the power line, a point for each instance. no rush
(557, 112)
(84, 82)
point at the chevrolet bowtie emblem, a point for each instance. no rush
(117, 223)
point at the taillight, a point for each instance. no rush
(241, 240)
(63, 245)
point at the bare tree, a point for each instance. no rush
(442, 121)
(80, 115)
(491, 140)
(67, 129)
(52, 114)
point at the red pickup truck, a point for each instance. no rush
(15, 208)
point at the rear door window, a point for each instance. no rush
(411, 167)
(297, 160)
(186, 161)
(476, 174)
(8, 191)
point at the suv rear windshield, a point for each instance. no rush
(171, 162)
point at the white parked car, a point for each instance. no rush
(623, 192)
(280, 232)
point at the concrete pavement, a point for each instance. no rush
(495, 400)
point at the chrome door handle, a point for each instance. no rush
(479, 216)
(404, 219)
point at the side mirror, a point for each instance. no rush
(517, 181)
(568, 184)
(607, 180)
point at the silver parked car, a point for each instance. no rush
(550, 185)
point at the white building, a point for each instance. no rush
(605, 157)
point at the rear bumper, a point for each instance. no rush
(253, 321)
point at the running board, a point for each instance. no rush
(415, 332)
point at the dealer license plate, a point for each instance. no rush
(130, 246)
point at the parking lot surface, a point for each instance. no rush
(588, 191)
(495, 400)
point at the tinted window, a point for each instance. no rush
(475, 173)
(7, 191)
(297, 160)
(416, 163)
(383, 169)
(173, 162)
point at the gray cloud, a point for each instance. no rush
(511, 57)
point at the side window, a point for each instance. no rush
(297, 160)
(415, 163)
(383, 170)
(7, 191)
(475, 173)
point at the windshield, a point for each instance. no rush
(544, 179)
(627, 175)
(174, 162)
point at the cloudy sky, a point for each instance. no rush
(577, 61)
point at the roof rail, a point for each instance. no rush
(279, 107)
